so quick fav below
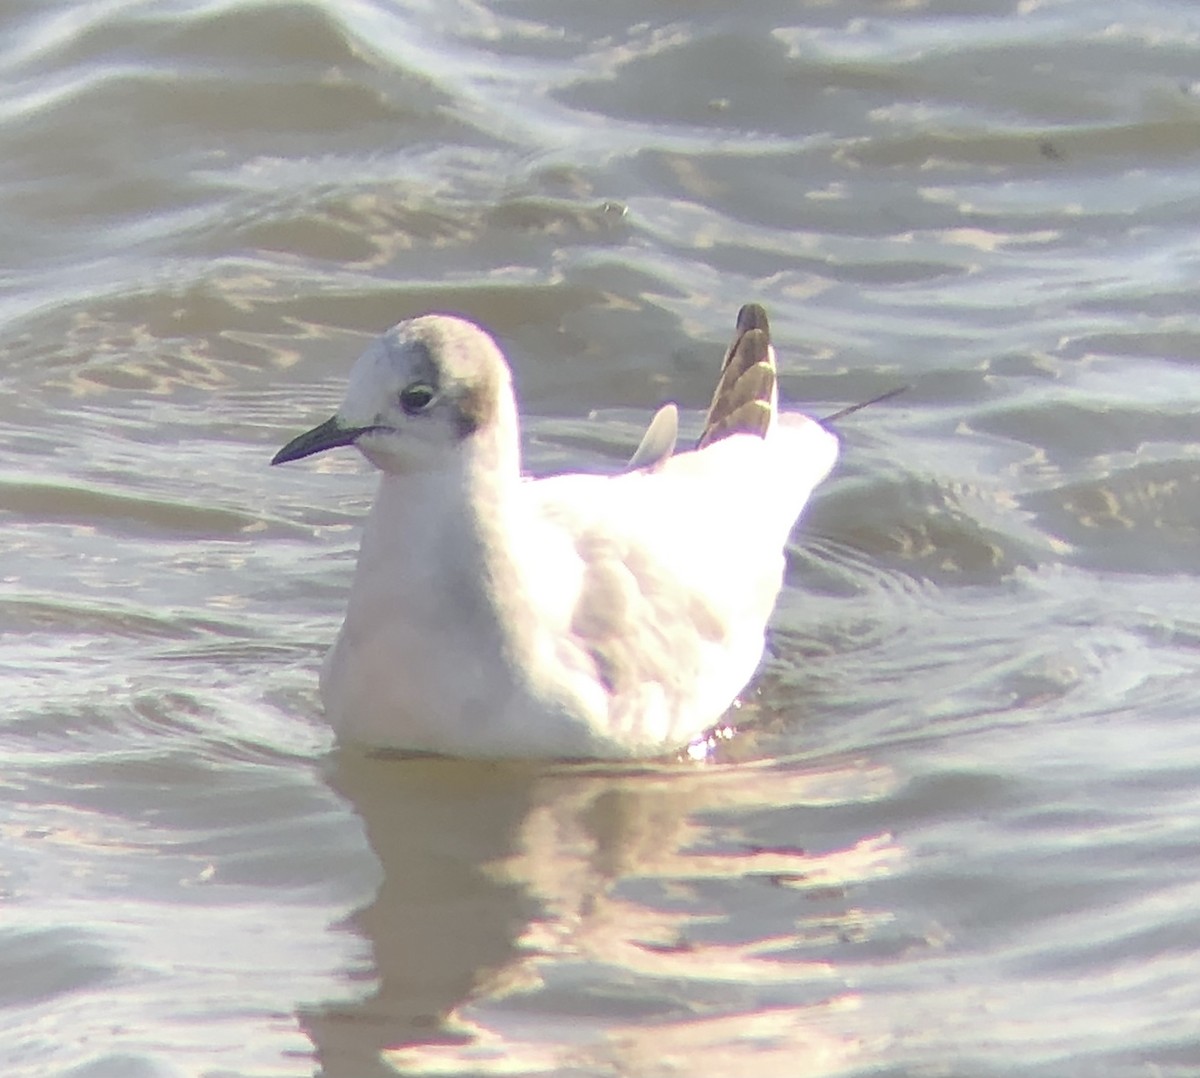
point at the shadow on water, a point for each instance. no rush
(440, 918)
(534, 918)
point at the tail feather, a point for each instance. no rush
(658, 443)
(746, 395)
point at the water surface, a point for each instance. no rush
(957, 830)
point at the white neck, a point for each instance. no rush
(435, 547)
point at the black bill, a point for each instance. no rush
(329, 435)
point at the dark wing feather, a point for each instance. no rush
(741, 403)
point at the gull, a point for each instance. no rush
(569, 616)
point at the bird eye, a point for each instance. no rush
(416, 397)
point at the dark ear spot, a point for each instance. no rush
(476, 408)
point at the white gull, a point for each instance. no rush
(614, 616)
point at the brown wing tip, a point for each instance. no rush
(753, 316)
(742, 401)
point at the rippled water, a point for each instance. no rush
(957, 832)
